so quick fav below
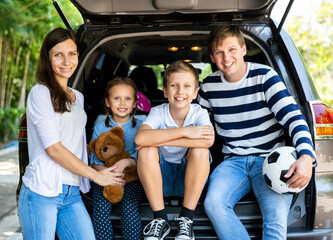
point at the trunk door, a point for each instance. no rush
(126, 13)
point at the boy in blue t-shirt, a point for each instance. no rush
(173, 158)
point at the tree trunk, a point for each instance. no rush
(10, 92)
(9, 79)
(0, 49)
(21, 102)
(3, 73)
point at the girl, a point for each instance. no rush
(121, 103)
(49, 199)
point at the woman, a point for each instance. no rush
(49, 199)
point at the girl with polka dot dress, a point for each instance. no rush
(121, 102)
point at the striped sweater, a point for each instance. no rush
(251, 114)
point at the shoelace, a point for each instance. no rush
(184, 225)
(155, 227)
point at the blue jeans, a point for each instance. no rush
(230, 181)
(41, 217)
(173, 176)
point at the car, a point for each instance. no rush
(118, 36)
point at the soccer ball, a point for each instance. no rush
(276, 165)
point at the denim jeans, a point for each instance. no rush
(41, 217)
(230, 181)
(173, 176)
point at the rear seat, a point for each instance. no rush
(146, 81)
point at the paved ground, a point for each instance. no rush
(9, 174)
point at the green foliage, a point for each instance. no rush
(26, 23)
(9, 123)
(205, 72)
(314, 40)
(71, 13)
(159, 70)
(329, 101)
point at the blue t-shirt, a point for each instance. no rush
(129, 134)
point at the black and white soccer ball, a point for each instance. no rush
(276, 165)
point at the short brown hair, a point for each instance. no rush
(218, 34)
(180, 66)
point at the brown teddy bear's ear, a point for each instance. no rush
(117, 131)
(92, 145)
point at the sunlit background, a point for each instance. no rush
(310, 25)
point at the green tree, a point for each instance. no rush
(314, 39)
(23, 26)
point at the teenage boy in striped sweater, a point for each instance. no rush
(251, 108)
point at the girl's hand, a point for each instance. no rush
(199, 132)
(123, 163)
(109, 177)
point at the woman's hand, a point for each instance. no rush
(108, 176)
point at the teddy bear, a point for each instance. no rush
(109, 148)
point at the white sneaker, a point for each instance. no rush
(185, 229)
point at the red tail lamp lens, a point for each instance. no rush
(324, 119)
(23, 134)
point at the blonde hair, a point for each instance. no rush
(180, 66)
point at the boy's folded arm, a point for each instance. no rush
(189, 143)
(198, 136)
(146, 136)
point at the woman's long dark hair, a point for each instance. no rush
(118, 81)
(45, 75)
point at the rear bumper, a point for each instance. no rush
(316, 234)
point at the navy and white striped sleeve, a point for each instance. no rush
(288, 114)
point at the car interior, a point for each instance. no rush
(137, 55)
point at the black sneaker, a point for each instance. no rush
(157, 229)
(185, 229)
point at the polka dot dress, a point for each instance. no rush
(131, 220)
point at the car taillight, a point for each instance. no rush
(23, 135)
(323, 120)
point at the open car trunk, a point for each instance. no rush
(116, 53)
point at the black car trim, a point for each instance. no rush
(61, 14)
